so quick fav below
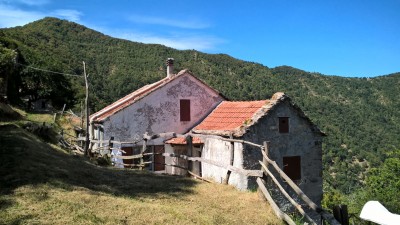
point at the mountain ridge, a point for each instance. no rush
(54, 20)
(359, 115)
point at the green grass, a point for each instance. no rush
(40, 118)
(42, 184)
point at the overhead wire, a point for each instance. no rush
(49, 71)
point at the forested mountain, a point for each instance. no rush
(361, 116)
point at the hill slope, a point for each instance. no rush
(40, 184)
(360, 115)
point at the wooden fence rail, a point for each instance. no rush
(249, 173)
(325, 215)
(296, 189)
(284, 192)
(278, 212)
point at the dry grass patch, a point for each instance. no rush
(208, 204)
(42, 185)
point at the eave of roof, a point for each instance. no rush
(182, 141)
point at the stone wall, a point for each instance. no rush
(219, 150)
(301, 140)
(159, 111)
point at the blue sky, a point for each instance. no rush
(352, 38)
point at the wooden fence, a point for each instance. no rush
(265, 168)
(266, 165)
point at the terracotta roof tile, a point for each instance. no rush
(231, 115)
(182, 141)
(234, 118)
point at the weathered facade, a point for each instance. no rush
(295, 142)
(173, 104)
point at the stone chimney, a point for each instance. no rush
(170, 67)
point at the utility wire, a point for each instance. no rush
(49, 71)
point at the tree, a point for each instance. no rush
(45, 85)
(383, 183)
(9, 75)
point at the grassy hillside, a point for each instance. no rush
(360, 115)
(41, 184)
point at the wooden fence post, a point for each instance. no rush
(189, 141)
(141, 166)
(110, 144)
(232, 153)
(341, 214)
(266, 145)
(152, 157)
(63, 109)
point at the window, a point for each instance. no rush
(283, 124)
(185, 109)
(292, 167)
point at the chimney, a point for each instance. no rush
(170, 67)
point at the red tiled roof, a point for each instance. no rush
(234, 118)
(182, 141)
(229, 116)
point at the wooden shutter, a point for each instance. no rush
(185, 109)
(283, 124)
(292, 167)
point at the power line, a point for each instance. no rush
(49, 71)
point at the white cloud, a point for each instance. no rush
(181, 42)
(11, 17)
(69, 14)
(184, 23)
(33, 2)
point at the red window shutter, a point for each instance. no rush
(185, 109)
(283, 124)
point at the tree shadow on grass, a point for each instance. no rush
(21, 220)
(25, 160)
(5, 203)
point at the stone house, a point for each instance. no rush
(184, 104)
(174, 104)
(295, 142)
